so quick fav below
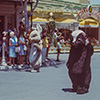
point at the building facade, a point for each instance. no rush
(10, 15)
(90, 22)
(97, 8)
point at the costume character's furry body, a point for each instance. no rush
(79, 62)
(35, 57)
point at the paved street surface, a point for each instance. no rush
(48, 84)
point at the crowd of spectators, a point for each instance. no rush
(15, 43)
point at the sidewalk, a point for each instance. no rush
(53, 50)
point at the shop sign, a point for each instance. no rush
(89, 12)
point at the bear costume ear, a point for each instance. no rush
(76, 33)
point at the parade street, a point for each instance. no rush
(51, 83)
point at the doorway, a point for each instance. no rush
(1, 24)
(1, 27)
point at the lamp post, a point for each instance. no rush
(3, 61)
(75, 23)
(51, 21)
(51, 14)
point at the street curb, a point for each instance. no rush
(67, 49)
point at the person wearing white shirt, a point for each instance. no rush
(58, 48)
(57, 34)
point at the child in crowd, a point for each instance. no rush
(22, 52)
(12, 44)
(58, 48)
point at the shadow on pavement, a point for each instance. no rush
(26, 67)
(53, 63)
(68, 90)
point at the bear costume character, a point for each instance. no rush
(78, 63)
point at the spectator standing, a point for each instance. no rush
(56, 35)
(21, 28)
(48, 46)
(28, 44)
(22, 52)
(16, 39)
(44, 47)
(58, 48)
(12, 44)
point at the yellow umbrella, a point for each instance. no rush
(59, 19)
(80, 20)
(37, 19)
(89, 22)
(68, 21)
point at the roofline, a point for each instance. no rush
(96, 5)
(14, 1)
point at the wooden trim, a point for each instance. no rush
(13, 2)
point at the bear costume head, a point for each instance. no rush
(79, 38)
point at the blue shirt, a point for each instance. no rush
(13, 42)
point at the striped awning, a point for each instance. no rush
(57, 6)
(68, 21)
(37, 19)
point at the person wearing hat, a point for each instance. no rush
(12, 44)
